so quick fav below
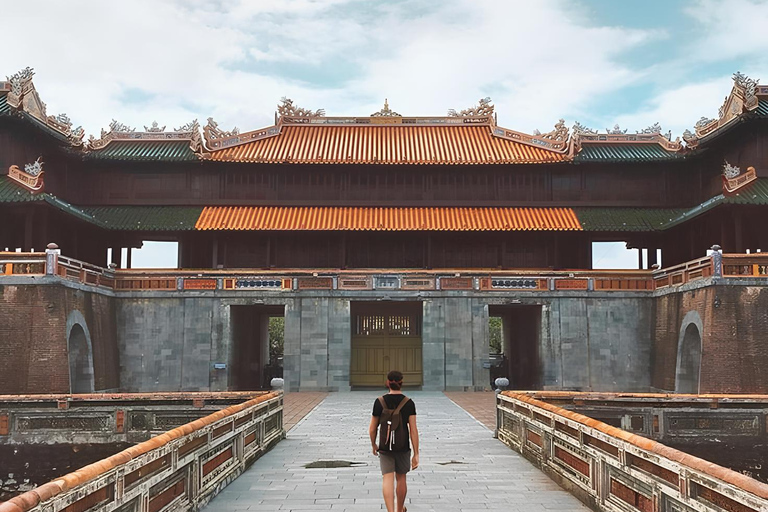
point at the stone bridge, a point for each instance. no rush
(463, 468)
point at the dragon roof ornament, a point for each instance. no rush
(560, 133)
(483, 108)
(386, 112)
(24, 99)
(580, 129)
(35, 168)
(286, 108)
(730, 171)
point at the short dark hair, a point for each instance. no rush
(394, 380)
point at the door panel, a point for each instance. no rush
(381, 343)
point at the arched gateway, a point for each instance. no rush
(688, 374)
(80, 354)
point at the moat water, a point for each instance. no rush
(749, 460)
(23, 467)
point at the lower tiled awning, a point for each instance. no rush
(280, 218)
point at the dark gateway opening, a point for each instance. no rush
(252, 366)
(520, 332)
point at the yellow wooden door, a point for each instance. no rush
(385, 342)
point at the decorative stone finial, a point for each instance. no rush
(154, 128)
(385, 112)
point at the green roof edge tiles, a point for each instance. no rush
(145, 151)
(125, 218)
(624, 153)
(5, 109)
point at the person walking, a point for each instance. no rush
(394, 419)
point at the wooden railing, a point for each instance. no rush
(86, 273)
(181, 469)
(740, 265)
(684, 273)
(614, 470)
(519, 280)
(22, 263)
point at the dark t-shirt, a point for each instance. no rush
(407, 411)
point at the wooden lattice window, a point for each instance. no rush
(387, 325)
(371, 325)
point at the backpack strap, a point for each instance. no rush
(383, 403)
(400, 406)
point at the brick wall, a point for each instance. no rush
(33, 338)
(734, 344)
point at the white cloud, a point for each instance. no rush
(196, 59)
(678, 109)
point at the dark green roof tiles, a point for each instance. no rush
(5, 109)
(145, 151)
(626, 219)
(624, 153)
(762, 108)
(11, 192)
(146, 218)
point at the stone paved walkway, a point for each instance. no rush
(488, 476)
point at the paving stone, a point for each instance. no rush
(489, 476)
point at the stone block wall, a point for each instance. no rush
(597, 344)
(168, 344)
(33, 337)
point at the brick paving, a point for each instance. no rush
(463, 468)
(298, 405)
(480, 405)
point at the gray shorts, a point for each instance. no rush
(395, 462)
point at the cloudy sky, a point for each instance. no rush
(599, 62)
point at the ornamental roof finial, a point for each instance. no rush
(385, 112)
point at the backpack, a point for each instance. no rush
(392, 435)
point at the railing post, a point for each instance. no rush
(717, 261)
(51, 259)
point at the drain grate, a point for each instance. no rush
(333, 464)
(451, 462)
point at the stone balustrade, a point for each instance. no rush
(181, 469)
(612, 469)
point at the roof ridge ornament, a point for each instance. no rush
(288, 109)
(386, 112)
(560, 133)
(23, 98)
(616, 130)
(730, 171)
(155, 128)
(580, 129)
(35, 168)
(118, 127)
(741, 100)
(121, 131)
(31, 177)
(212, 131)
(484, 108)
(20, 81)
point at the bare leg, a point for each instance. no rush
(402, 490)
(388, 489)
